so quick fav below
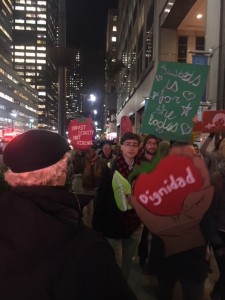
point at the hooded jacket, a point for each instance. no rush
(47, 253)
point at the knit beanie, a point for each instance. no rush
(34, 150)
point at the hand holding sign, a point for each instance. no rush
(213, 121)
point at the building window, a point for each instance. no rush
(113, 38)
(149, 37)
(200, 43)
(114, 28)
(182, 49)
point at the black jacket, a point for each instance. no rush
(47, 253)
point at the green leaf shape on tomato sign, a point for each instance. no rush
(163, 190)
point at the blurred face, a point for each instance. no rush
(90, 153)
(151, 147)
(130, 148)
(106, 150)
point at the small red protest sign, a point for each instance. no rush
(213, 121)
(163, 191)
(81, 133)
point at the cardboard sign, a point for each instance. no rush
(175, 96)
(81, 133)
(213, 121)
(163, 191)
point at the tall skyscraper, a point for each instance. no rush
(34, 31)
(18, 101)
(74, 103)
(113, 66)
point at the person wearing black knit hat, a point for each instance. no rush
(45, 250)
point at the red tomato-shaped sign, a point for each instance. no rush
(81, 133)
(164, 190)
(125, 125)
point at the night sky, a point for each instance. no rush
(86, 30)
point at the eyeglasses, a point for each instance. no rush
(130, 145)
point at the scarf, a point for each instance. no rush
(123, 167)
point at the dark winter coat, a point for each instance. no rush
(47, 253)
(108, 218)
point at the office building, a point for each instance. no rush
(174, 30)
(74, 82)
(113, 66)
(34, 32)
(18, 100)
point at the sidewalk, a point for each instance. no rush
(145, 286)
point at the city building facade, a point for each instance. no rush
(174, 30)
(34, 31)
(74, 82)
(112, 67)
(18, 100)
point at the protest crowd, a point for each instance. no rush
(77, 214)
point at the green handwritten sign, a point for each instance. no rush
(174, 99)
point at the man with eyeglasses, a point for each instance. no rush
(113, 216)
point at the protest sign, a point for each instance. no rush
(213, 121)
(174, 99)
(174, 178)
(81, 133)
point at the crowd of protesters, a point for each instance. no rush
(68, 229)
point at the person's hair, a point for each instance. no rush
(164, 148)
(130, 136)
(148, 137)
(106, 143)
(54, 175)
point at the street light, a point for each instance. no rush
(92, 98)
(95, 112)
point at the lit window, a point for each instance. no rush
(30, 54)
(41, 93)
(19, 27)
(30, 21)
(19, 53)
(41, 61)
(19, 60)
(114, 28)
(41, 28)
(19, 21)
(19, 7)
(19, 47)
(30, 61)
(42, 22)
(41, 54)
(41, 2)
(113, 38)
(30, 47)
(41, 48)
(31, 8)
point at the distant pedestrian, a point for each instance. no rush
(107, 152)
